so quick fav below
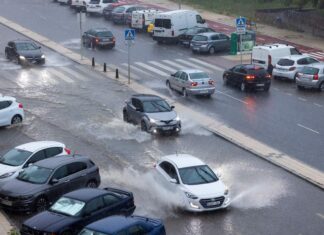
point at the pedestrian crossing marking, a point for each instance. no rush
(88, 71)
(192, 65)
(60, 75)
(172, 63)
(213, 67)
(171, 70)
(154, 70)
(74, 74)
(137, 69)
(122, 71)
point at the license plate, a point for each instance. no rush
(260, 85)
(203, 92)
(213, 203)
(166, 128)
(6, 202)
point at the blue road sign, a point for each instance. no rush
(240, 25)
(129, 34)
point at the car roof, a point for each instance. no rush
(6, 98)
(102, 29)
(36, 145)
(22, 40)
(295, 57)
(147, 97)
(86, 194)
(183, 160)
(54, 162)
(274, 46)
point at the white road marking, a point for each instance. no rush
(172, 63)
(121, 50)
(288, 93)
(318, 53)
(171, 70)
(211, 66)
(60, 75)
(318, 105)
(123, 71)
(320, 215)
(242, 101)
(150, 68)
(136, 69)
(307, 128)
(88, 71)
(74, 73)
(194, 66)
(261, 39)
(302, 99)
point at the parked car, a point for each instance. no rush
(311, 76)
(66, 2)
(97, 6)
(129, 14)
(247, 76)
(210, 42)
(80, 5)
(120, 14)
(186, 37)
(75, 210)
(98, 37)
(42, 183)
(118, 225)
(202, 190)
(107, 11)
(191, 82)
(289, 66)
(24, 52)
(24, 155)
(153, 113)
(11, 112)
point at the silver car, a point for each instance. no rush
(153, 113)
(191, 82)
(311, 76)
(211, 42)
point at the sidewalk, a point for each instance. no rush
(5, 226)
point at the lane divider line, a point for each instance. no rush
(307, 128)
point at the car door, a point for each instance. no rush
(59, 183)
(183, 81)
(94, 210)
(235, 76)
(135, 110)
(168, 171)
(53, 151)
(240, 75)
(113, 205)
(5, 113)
(77, 175)
(175, 80)
(214, 42)
(38, 156)
(224, 42)
(9, 50)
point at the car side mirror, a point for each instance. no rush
(54, 181)
(173, 75)
(172, 107)
(173, 181)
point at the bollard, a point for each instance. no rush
(117, 75)
(93, 62)
(105, 67)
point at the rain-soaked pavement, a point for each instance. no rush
(69, 103)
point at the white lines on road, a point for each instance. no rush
(191, 65)
(318, 105)
(242, 101)
(120, 50)
(302, 99)
(214, 67)
(151, 69)
(171, 70)
(287, 93)
(307, 128)
(320, 215)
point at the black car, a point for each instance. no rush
(98, 37)
(247, 76)
(186, 37)
(24, 52)
(75, 210)
(41, 184)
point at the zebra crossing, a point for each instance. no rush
(74, 74)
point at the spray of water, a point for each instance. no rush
(55, 60)
(191, 127)
(72, 43)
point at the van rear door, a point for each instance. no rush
(162, 27)
(260, 57)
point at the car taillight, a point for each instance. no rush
(20, 106)
(68, 151)
(292, 68)
(194, 83)
(97, 40)
(172, 32)
(315, 77)
(268, 76)
(249, 77)
(114, 39)
(211, 82)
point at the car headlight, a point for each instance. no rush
(6, 175)
(190, 195)
(226, 191)
(177, 118)
(153, 120)
(22, 57)
(43, 56)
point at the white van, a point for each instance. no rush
(267, 56)
(169, 25)
(141, 19)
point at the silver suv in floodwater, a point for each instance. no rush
(311, 76)
(153, 113)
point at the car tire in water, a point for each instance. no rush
(300, 87)
(41, 204)
(321, 87)
(92, 184)
(266, 88)
(225, 80)
(143, 126)
(184, 92)
(16, 120)
(125, 116)
(211, 50)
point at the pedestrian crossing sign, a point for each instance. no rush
(129, 34)
(240, 25)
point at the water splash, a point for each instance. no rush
(72, 43)
(191, 127)
(55, 60)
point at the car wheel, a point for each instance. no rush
(125, 116)
(295, 77)
(243, 86)
(41, 204)
(211, 50)
(7, 56)
(225, 80)
(184, 92)
(92, 184)
(266, 88)
(143, 126)
(16, 120)
(321, 87)
(208, 96)
(169, 85)
(299, 87)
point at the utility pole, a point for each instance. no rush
(81, 19)
(179, 2)
(129, 45)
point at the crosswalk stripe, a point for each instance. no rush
(171, 70)
(316, 56)
(123, 71)
(192, 65)
(173, 64)
(60, 75)
(74, 74)
(213, 67)
(318, 53)
(89, 72)
(43, 75)
(150, 68)
(133, 68)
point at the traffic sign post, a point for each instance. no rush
(129, 38)
(81, 17)
(240, 29)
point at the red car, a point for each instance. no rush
(107, 11)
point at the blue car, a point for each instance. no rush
(123, 225)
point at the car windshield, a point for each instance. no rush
(67, 206)
(200, 38)
(156, 106)
(26, 46)
(92, 232)
(104, 34)
(310, 70)
(15, 157)
(119, 9)
(286, 62)
(197, 175)
(35, 174)
(199, 75)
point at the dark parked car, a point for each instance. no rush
(247, 76)
(42, 183)
(210, 42)
(98, 37)
(120, 14)
(153, 113)
(24, 52)
(74, 210)
(186, 37)
(121, 225)
(107, 11)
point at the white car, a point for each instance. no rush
(11, 112)
(97, 6)
(202, 189)
(22, 156)
(80, 4)
(289, 66)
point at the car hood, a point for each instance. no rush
(215, 189)
(31, 53)
(49, 221)
(15, 187)
(163, 116)
(6, 168)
